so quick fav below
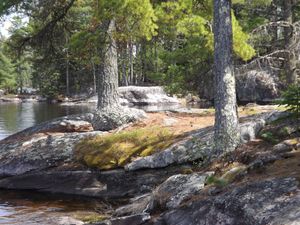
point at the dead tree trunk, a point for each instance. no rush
(226, 118)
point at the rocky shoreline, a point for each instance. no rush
(129, 96)
(175, 186)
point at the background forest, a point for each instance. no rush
(159, 42)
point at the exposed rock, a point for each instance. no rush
(33, 157)
(106, 184)
(286, 146)
(170, 122)
(1, 92)
(137, 205)
(112, 118)
(178, 188)
(252, 86)
(41, 98)
(72, 123)
(11, 100)
(263, 160)
(274, 201)
(38, 152)
(145, 96)
(234, 173)
(249, 130)
(257, 86)
(141, 96)
(283, 147)
(199, 145)
(77, 126)
(67, 221)
(138, 219)
(196, 147)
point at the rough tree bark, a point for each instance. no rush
(124, 75)
(67, 75)
(110, 114)
(94, 77)
(226, 118)
(108, 80)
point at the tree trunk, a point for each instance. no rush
(131, 62)
(94, 77)
(67, 75)
(108, 79)
(124, 76)
(110, 114)
(226, 119)
(290, 65)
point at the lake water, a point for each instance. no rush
(16, 117)
(28, 208)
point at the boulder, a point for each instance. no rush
(142, 96)
(178, 188)
(275, 201)
(2, 92)
(249, 130)
(145, 96)
(257, 86)
(137, 205)
(251, 86)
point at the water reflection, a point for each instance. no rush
(16, 117)
(27, 208)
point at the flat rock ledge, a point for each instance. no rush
(113, 184)
(39, 152)
(275, 202)
(199, 145)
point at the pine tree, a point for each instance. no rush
(226, 136)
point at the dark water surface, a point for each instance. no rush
(28, 208)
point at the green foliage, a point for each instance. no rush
(134, 19)
(6, 5)
(172, 41)
(216, 181)
(291, 99)
(7, 72)
(269, 137)
(240, 41)
(183, 48)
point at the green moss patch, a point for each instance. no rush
(115, 150)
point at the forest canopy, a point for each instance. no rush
(167, 43)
